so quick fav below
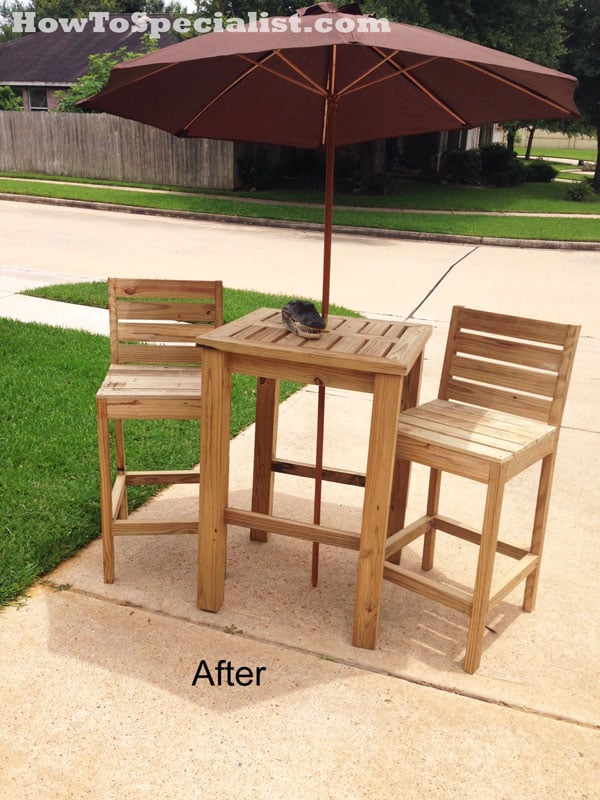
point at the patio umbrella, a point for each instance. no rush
(325, 78)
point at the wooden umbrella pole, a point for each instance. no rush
(329, 143)
(329, 182)
(318, 481)
(328, 223)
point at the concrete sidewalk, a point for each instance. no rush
(97, 679)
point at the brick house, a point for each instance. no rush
(38, 65)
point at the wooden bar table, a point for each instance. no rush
(380, 357)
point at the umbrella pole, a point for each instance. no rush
(318, 481)
(328, 224)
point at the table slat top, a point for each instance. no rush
(353, 343)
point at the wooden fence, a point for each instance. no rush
(111, 148)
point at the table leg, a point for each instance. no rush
(265, 441)
(214, 479)
(378, 488)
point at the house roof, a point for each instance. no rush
(61, 57)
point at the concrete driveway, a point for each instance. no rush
(369, 274)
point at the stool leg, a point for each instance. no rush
(120, 459)
(485, 567)
(401, 480)
(539, 528)
(400, 487)
(265, 441)
(215, 426)
(433, 501)
(105, 491)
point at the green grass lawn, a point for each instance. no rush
(48, 478)
(414, 200)
(410, 195)
(587, 154)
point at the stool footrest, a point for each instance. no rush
(165, 476)
(507, 582)
(131, 527)
(399, 540)
(454, 598)
(303, 470)
(285, 527)
(454, 528)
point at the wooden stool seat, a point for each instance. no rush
(502, 394)
(136, 386)
(471, 438)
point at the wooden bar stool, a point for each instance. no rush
(500, 405)
(154, 374)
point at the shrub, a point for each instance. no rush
(461, 166)
(495, 158)
(347, 177)
(500, 167)
(256, 172)
(512, 176)
(9, 100)
(540, 172)
(581, 191)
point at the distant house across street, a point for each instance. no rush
(38, 65)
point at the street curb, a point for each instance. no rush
(381, 233)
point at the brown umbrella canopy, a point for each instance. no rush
(275, 86)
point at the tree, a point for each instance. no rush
(81, 8)
(413, 12)
(69, 9)
(582, 59)
(239, 8)
(9, 100)
(531, 29)
(100, 65)
(7, 7)
(511, 130)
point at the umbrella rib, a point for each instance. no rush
(219, 96)
(228, 88)
(434, 99)
(351, 87)
(405, 72)
(514, 85)
(317, 87)
(313, 87)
